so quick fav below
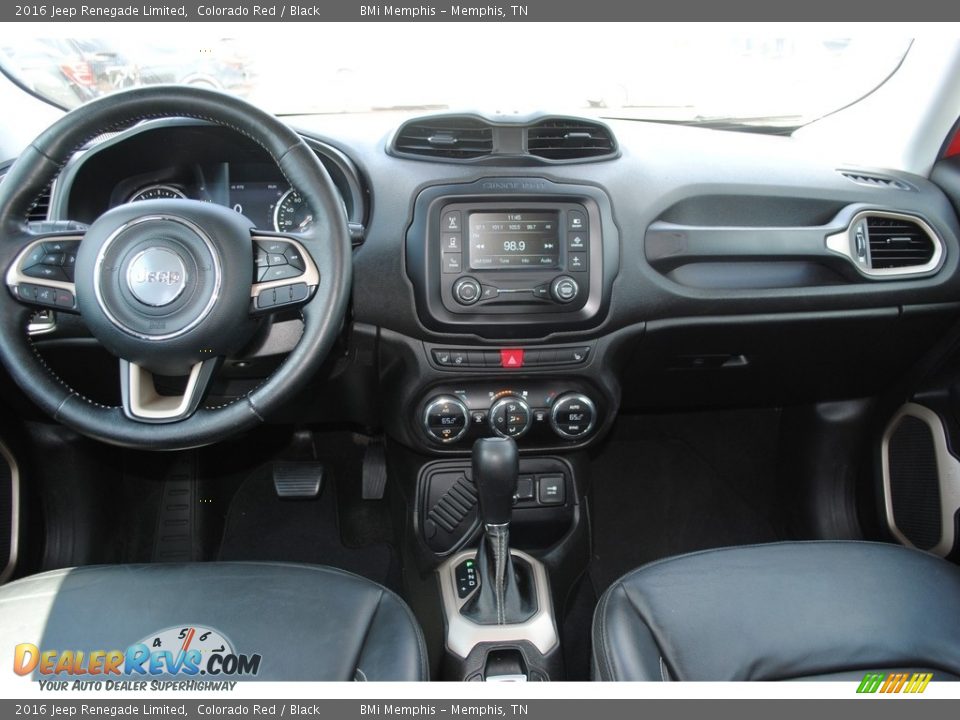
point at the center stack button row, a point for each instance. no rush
(510, 358)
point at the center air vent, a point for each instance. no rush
(570, 140)
(456, 138)
(888, 244)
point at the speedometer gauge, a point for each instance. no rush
(292, 213)
(158, 192)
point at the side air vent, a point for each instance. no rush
(454, 138)
(40, 209)
(897, 243)
(876, 181)
(889, 245)
(570, 140)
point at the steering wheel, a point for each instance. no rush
(170, 287)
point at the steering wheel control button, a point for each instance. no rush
(157, 276)
(467, 291)
(52, 297)
(64, 299)
(551, 490)
(294, 258)
(511, 358)
(283, 295)
(280, 272)
(573, 416)
(46, 296)
(510, 417)
(45, 272)
(34, 257)
(446, 419)
(273, 247)
(564, 289)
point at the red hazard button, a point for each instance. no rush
(511, 358)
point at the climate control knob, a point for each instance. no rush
(446, 419)
(573, 416)
(510, 417)
(564, 289)
(466, 291)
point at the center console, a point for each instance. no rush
(511, 278)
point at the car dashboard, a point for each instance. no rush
(534, 276)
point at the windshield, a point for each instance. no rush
(620, 70)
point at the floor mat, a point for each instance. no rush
(670, 484)
(260, 526)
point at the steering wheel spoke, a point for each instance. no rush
(143, 401)
(42, 273)
(285, 274)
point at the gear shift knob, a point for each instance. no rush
(495, 470)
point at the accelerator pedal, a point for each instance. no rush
(374, 470)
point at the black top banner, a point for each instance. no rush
(474, 11)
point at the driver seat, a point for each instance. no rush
(306, 622)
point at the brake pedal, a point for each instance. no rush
(297, 480)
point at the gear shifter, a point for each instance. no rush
(495, 470)
(506, 593)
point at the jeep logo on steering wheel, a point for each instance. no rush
(167, 277)
(156, 276)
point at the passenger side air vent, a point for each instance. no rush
(897, 243)
(876, 181)
(456, 138)
(889, 245)
(570, 140)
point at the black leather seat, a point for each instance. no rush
(306, 622)
(817, 610)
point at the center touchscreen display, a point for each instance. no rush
(514, 240)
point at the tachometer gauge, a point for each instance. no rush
(291, 213)
(158, 192)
